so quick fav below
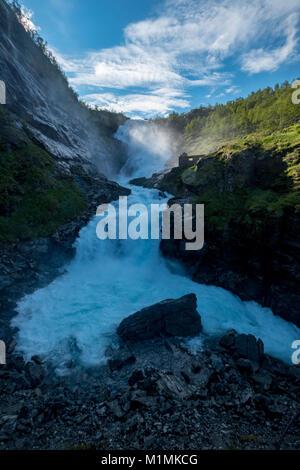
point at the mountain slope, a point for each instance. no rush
(49, 141)
(39, 94)
(52, 152)
(203, 129)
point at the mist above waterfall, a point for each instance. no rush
(150, 147)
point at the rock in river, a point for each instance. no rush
(172, 317)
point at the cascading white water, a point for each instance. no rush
(76, 316)
(149, 148)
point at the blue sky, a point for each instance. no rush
(149, 57)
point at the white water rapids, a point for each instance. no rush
(75, 317)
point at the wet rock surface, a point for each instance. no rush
(170, 317)
(267, 272)
(244, 346)
(149, 183)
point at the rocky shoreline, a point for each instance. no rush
(155, 394)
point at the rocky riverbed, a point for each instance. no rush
(155, 394)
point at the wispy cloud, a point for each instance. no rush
(160, 102)
(258, 60)
(189, 43)
(233, 90)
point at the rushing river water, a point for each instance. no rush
(75, 317)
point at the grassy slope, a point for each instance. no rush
(251, 180)
(36, 197)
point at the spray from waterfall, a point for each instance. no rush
(149, 148)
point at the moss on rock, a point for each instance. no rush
(249, 181)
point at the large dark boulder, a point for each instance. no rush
(170, 317)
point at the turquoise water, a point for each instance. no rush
(76, 316)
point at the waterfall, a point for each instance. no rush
(149, 148)
(76, 316)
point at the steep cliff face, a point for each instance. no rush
(50, 143)
(38, 94)
(264, 268)
(54, 155)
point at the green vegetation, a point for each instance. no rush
(251, 181)
(263, 111)
(35, 196)
(251, 207)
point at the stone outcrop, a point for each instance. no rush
(150, 183)
(177, 317)
(265, 269)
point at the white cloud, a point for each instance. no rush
(233, 90)
(67, 64)
(187, 45)
(259, 60)
(149, 104)
(122, 67)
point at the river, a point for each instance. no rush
(76, 316)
